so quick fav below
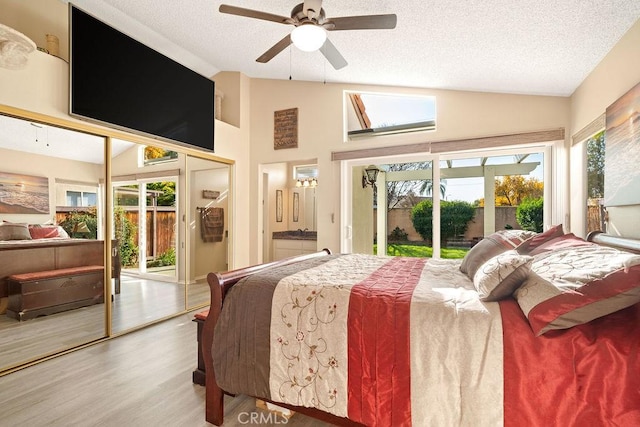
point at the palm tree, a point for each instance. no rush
(427, 187)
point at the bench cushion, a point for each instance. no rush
(202, 315)
(49, 274)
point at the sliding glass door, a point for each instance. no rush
(145, 227)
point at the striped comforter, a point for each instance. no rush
(399, 341)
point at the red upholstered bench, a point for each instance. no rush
(199, 374)
(52, 291)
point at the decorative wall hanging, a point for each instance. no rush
(622, 152)
(285, 129)
(278, 205)
(296, 206)
(23, 194)
(210, 194)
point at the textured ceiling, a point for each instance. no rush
(542, 47)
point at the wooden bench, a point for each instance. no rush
(52, 291)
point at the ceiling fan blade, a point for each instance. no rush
(314, 5)
(333, 56)
(275, 49)
(365, 22)
(250, 13)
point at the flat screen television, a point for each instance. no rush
(118, 81)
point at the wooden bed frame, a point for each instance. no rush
(220, 283)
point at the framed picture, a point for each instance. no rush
(622, 152)
(285, 130)
(296, 206)
(23, 194)
(278, 205)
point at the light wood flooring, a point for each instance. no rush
(141, 301)
(139, 379)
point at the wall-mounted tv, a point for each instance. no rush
(118, 81)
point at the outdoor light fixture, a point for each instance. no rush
(369, 176)
(308, 37)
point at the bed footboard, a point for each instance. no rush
(219, 284)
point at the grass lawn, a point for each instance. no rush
(394, 249)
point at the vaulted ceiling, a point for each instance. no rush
(543, 47)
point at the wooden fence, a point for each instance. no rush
(595, 220)
(161, 233)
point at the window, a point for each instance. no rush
(153, 155)
(371, 114)
(81, 198)
(595, 182)
(477, 194)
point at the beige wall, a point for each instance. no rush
(618, 72)
(320, 131)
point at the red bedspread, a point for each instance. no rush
(588, 375)
(406, 341)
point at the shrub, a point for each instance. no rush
(88, 216)
(125, 232)
(454, 218)
(398, 235)
(530, 213)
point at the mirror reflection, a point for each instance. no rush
(147, 185)
(51, 240)
(208, 225)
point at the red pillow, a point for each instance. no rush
(44, 232)
(539, 239)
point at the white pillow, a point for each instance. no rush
(501, 275)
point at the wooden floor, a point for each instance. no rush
(139, 379)
(141, 301)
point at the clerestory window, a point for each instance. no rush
(371, 114)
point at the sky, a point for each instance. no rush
(471, 189)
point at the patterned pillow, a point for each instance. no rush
(539, 239)
(490, 246)
(499, 277)
(572, 286)
(563, 242)
(14, 231)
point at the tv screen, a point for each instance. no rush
(116, 80)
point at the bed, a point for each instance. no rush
(529, 329)
(31, 249)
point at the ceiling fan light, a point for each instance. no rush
(308, 37)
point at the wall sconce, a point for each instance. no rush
(369, 176)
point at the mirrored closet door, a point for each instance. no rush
(148, 187)
(208, 224)
(52, 248)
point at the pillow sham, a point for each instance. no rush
(572, 286)
(492, 245)
(533, 242)
(44, 231)
(14, 231)
(500, 276)
(566, 241)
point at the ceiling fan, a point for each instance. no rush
(311, 26)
